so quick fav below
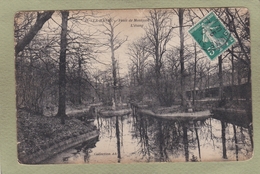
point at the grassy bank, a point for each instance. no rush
(38, 133)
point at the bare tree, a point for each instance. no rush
(196, 59)
(113, 42)
(34, 64)
(159, 33)
(238, 23)
(138, 55)
(40, 20)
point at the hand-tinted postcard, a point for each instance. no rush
(132, 86)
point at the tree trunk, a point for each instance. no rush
(232, 64)
(62, 67)
(195, 76)
(114, 75)
(79, 81)
(183, 91)
(113, 67)
(157, 71)
(221, 102)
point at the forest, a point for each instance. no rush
(62, 55)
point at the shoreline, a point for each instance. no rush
(43, 155)
(40, 137)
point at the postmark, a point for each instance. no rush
(212, 35)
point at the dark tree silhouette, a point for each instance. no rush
(159, 33)
(62, 67)
(113, 42)
(41, 19)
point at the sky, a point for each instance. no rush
(132, 26)
(129, 27)
(133, 23)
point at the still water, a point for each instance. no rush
(141, 138)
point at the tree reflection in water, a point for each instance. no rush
(195, 124)
(164, 140)
(159, 137)
(118, 140)
(223, 136)
(150, 139)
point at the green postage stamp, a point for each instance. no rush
(212, 36)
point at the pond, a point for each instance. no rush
(140, 138)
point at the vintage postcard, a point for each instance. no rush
(133, 86)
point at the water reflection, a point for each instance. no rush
(118, 139)
(142, 138)
(173, 140)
